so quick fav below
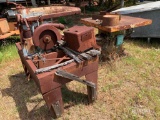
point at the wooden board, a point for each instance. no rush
(126, 22)
(16, 32)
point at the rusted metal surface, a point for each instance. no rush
(50, 83)
(43, 53)
(102, 14)
(46, 35)
(33, 20)
(52, 61)
(126, 22)
(18, 6)
(112, 32)
(42, 13)
(84, 35)
(111, 20)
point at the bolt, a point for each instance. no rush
(47, 39)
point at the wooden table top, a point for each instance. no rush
(126, 22)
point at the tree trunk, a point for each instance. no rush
(122, 3)
(110, 3)
(100, 2)
(67, 3)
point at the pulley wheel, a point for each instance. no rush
(45, 36)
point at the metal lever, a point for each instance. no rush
(70, 54)
(67, 51)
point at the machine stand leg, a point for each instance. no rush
(56, 109)
(92, 92)
(54, 102)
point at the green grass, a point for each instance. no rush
(8, 53)
(128, 89)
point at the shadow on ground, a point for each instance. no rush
(29, 102)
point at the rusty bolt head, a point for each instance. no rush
(47, 39)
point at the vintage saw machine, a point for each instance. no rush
(53, 60)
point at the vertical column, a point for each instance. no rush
(92, 92)
(49, 2)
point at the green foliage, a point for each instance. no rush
(108, 4)
(92, 8)
(130, 2)
(8, 52)
(8, 49)
(62, 20)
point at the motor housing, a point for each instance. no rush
(80, 38)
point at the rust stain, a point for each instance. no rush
(126, 22)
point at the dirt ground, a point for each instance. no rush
(128, 89)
